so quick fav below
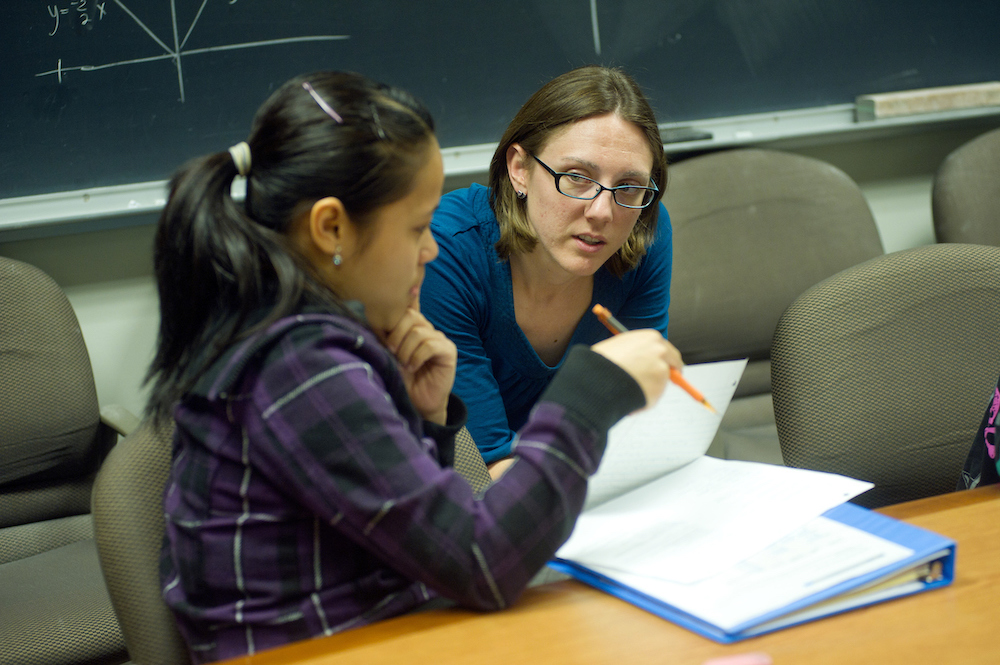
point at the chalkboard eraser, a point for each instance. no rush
(682, 134)
(927, 100)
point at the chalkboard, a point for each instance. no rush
(109, 92)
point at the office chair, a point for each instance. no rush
(752, 229)
(965, 198)
(54, 607)
(129, 527)
(469, 461)
(882, 372)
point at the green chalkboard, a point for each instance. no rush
(109, 92)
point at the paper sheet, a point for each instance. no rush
(673, 432)
(703, 518)
(813, 558)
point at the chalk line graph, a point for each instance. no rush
(177, 52)
(594, 27)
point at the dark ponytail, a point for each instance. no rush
(225, 269)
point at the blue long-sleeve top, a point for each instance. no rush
(467, 294)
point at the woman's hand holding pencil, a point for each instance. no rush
(672, 358)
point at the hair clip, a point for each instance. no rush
(378, 121)
(322, 103)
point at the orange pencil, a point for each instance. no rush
(616, 327)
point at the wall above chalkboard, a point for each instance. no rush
(110, 92)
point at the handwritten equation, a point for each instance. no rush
(87, 12)
(77, 11)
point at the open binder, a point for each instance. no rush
(733, 549)
(919, 560)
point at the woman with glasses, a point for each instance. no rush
(571, 218)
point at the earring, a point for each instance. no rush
(337, 258)
(521, 195)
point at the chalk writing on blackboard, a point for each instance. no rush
(594, 27)
(176, 53)
(76, 10)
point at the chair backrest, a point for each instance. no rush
(966, 194)
(752, 229)
(469, 461)
(54, 607)
(51, 438)
(128, 527)
(882, 372)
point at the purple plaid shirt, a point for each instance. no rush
(308, 497)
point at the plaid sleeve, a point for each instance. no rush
(326, 426)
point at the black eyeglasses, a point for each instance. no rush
(577, 186)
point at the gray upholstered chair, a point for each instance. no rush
(965, 198)
(128, 527)
(469, 461)
(54, 607)
(882, 372)
(752, 230)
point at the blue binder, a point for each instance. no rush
(931, 565)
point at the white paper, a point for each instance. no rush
(673, 432)
(811, 559)
(703, 518)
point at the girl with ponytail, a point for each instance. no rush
(313, 487)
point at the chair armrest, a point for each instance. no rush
(119, 418)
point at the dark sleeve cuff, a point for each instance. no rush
(596, 390)
(444, 435)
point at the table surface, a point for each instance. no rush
(568, 622)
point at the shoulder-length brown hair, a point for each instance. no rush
(576, 95)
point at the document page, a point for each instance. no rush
(703, 518)
(673, 432)
(813, 558)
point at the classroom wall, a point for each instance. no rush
(107, 275)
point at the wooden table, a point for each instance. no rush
(568, 622)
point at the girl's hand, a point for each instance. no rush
(428, 361)
(646, 356)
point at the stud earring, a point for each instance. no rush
(337, 258)
(521, 195)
